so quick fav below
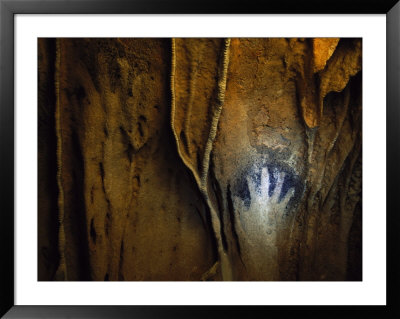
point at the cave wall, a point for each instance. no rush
(200, 159)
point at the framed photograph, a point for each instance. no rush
(167, 159)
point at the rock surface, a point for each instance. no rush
(200, 159)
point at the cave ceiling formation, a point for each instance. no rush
(200, 159)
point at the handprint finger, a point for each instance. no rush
(287, 197)
(278, 186)
(251, 185)
(264, 182)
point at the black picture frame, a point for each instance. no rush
(8, 8)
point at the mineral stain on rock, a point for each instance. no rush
(200, 159)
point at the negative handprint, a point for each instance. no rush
(258, 221)
(267, 206)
